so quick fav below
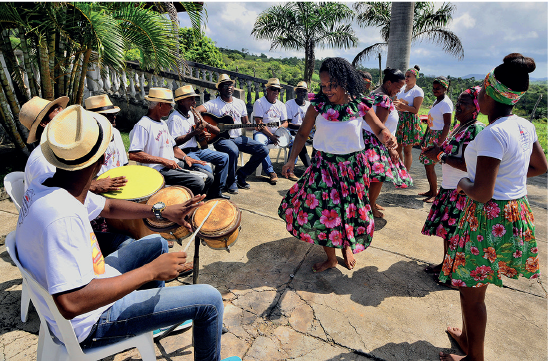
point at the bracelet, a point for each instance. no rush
(439, 156)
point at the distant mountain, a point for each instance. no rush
(481, 76)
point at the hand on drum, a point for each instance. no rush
(108, 184)
(171, 164)
(191, 161)
(168, 266)
(178, 213)
(274, 139)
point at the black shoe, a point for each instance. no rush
(221, 196)
(231, 191)
(240, 181)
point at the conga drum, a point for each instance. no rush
(170, 195)
(142, 183)
(222, 228)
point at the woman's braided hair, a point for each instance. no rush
(344, 74)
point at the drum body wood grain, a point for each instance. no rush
(222, 228)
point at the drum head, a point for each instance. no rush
(142, 182)
(284, 137)
(224, 219)
(171, 195)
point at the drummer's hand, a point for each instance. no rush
(167, 266)
(288, 168)
(177, 213)
(107, 184)
(171, 164)
(191, 161)
(274, 139)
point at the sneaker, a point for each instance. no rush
(162, 332)
(292, 177)
(273, 178)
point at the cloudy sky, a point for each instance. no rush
(487, 30)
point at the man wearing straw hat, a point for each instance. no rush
(108, 298)
(184, 128)
(152, 145)
(223, 105)
(296, 109)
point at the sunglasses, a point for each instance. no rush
(274, 89)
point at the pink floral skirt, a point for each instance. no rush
(444, 213)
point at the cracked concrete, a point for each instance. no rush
(276, 308)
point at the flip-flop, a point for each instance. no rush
(162, 332)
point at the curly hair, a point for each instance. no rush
(344, 74)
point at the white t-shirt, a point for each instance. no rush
(236, 109)
(179, 125)
(410, 96)
(338, 138)
(115, 155)
(152, 137)
(270, 112)
(392, 120)
(295, 112)
(58, 247)
(509, 139)
(435, 116)
(36, 165)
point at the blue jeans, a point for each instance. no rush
(219, 160)
(267, 162)
(145, 310)
(232, 147)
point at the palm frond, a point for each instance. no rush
(368, 52)
(449, 41)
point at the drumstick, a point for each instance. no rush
(202, 224)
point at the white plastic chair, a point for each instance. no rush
(15, 187)
(48, 350)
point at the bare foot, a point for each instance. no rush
(426, 194)
(348, 257)
(429, 199)
(379, 207)
(320, 267)
(376, 212)
(450, 357)
(456, 334)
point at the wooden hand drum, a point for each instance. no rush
(222, 228)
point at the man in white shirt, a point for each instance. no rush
(224, 105)
(152, 145)
(124, 294)
(184, 128)
(269, 109)
(296, 109)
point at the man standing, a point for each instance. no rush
(106, 299)
(269, 109)
(184, 128)
(152, 145)
(223, 105)
(296, 109)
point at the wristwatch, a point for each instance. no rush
(157, 209)
(443, 158)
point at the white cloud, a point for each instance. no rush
(464, 21)
(516, 36)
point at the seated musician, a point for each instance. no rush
(151, 144)
(106, 299)
(296, 109)
(181, 123)
(269, 109)
(223, 105)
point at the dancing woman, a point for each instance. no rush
(495, 235)
(328, 206)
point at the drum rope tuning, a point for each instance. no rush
(199, 227)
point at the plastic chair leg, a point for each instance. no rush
(25, 301)
(146, 347)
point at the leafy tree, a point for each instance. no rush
(428, 24)
(306, 25)
(199, 48)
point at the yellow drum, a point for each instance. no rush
(142, 183)
(222, 228)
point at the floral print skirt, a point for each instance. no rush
(444, 213)
(409, 129)
(430, 139)
(329, 206)
(492, 239)
(382, 167)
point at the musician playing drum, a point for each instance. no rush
(181, 123)
(266, 110)
(223, 105)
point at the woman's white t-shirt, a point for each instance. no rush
(510, 140)
(338, 138)
(435, 116)
(409, 96)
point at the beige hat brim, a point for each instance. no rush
(225, 81)
(183, 96)
(107, 136)
(161, 100)
(116, 109)
(62, 101)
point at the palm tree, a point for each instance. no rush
(401, 32)
(306, 25)
(428, 24)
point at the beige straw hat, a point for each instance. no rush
(101, 104)
(185, 92)
(301, 85)
(273, 82)
(224, 78)
(162, 95)
(33, 111)
(75, 138)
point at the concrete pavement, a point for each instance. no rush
(276, 308)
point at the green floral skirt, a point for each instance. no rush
(492, 239)
(409, 129)
(430, 139)
(328, 206)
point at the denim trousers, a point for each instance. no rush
(217, 159)
(267, 162)
(195, 183)
(232, 147)
(155, 306)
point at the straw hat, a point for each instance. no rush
(224, 78)
(185, 92)
(101, 104)
(33, 111)
(301, 85)
(75, 138)
(273, 82)
(162, 95)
